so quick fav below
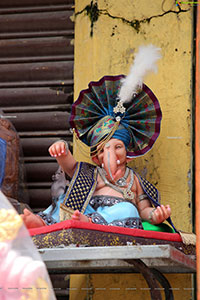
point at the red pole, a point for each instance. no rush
(197, 149)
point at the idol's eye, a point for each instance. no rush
(101, 151)
(118, 146)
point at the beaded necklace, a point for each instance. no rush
(126, 192)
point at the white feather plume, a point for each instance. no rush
(144, 62)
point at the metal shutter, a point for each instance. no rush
(36, 83)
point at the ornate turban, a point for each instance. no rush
(119, 107)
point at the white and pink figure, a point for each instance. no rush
(23, 275)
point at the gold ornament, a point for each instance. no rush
(65, 212)
(128, 194)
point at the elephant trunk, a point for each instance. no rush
(110, 164)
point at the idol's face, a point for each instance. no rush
(112, 157)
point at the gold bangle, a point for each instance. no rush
(151, 214)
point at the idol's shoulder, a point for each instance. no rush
(149, 189)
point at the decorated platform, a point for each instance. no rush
(75, 247)
(78, 234)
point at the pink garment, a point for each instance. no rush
(22, 272)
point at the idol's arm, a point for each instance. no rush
(65, 159)
(147, 212)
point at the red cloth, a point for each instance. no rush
(70, 224)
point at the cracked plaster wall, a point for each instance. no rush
(108, 47)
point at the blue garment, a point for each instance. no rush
(118, 211)
(123, 135)
(55, 212)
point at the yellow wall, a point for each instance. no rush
(110, 51)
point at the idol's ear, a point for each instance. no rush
(95, 160)
(129, 159)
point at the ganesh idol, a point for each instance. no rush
(118, 118)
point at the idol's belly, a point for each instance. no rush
(108, 191)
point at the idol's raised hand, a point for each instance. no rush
(65, 159)
(59, 148)
(160, 214)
